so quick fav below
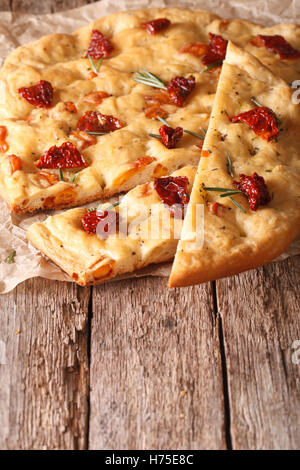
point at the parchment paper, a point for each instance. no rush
(17, 29)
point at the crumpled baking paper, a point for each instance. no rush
(18, 29)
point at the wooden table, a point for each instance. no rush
(135, 365)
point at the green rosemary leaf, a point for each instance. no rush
(74, 177)
(212, 66)
(96, 133)
(148, 78)
(203, 130)
(111, 206)
(229, 165)
(96, 66)
(238, 205)
(163, 121)
(11, 256)
(256, 102)
(219, 190)
(194, 134)
(155, 136)
(231, 193)
(61, 176)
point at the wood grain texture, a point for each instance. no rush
(156, 380)
(45, 6)
(45, 376)
(260, 312)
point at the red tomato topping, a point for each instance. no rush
(169, 136)
(216, 208)
(99, 46)
(179, 88)
(262, 120)
(196, 48)
(96, 97)
(101, 222)
(154, 111)
(92, 121)
(15, 163)
(276, 44)
(155, 26)
(65, 156)
(40, 95)
(158, 98)
(255, 188)
(3, 144)
(216, 51)
(173, 192)
(70, 107)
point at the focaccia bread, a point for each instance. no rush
(146, 233)
(253, 160)
(114, 162)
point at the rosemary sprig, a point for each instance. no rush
(212, 66)
(11, 256)
(96, 133)
(231, 193)
(227, 192)
(256, 102)
(61, 176)
(114, 204)
(237, 205)
(155, 136)
(219, 190)
(184, 130)
(203, 130)
(229, 165)
(163, 121)
(96, 66)
(74, 177)
(194, 134)
(148, 78)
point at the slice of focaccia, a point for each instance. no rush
(247, 187)
(143, 229)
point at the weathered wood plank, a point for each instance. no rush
(4, 5)
(45, 6)
(260, 312)
(45, 376)
(156, 379)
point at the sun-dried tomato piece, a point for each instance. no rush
(3, 144)
(155, 26)
(255, 188)
(65, 156)
(205, 153)
(15, 163)
(86, 139)
(262, 120)
(179, 88)
(276, 44)
(99, 46)
(158, 98)
(169, 136)
(173, 192)
(95, 97)
(51, 178)
(40, 95)
(92, 121)
(216, 208)
(196, 48)
(70, 107)
(102, 222)
(216, 51)
(154, 111)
